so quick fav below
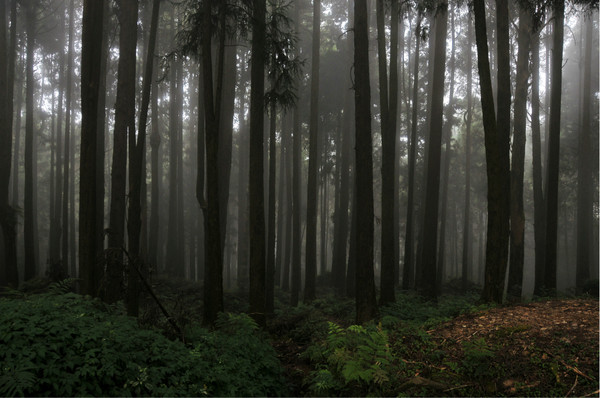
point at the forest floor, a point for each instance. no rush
(545, 348)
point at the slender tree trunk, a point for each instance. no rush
(155, 141)
(584, 175)
(517, 213)
(496, 147)
(213, 256)
(366, 304)
(285, 285)
(297, 189)
(29, 233)
(408, 272)
(137, 150)
(447, 133)
(172, 228)
(388, 156)
(554, 148)
(539, 217)
(124, 126)
(467, 228)
(281, 204)
(311, 193)
(91, 63)
(243, 238)
(256, 188)
(270, 270)
(430, 225)
(9, 275)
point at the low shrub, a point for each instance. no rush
(67, 344)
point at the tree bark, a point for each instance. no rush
(256, 183)
(29, 233)
(124, 126)
(584, 175)
(430, 225)
(467, 227)
(408, 272)
(554, 149)
(517, 213)
(311, 190)
(496, 149)
(366, 305)
(91, 68)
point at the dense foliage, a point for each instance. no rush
(66, 345)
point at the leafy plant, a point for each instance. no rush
(477, 361)
(66, 345)
(355, 357)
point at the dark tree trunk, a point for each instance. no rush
(430, 225)
(172, 254)
(289, 166)
(91, 75)
(366, 304)
(66, 175)
(447, 136)
(156, 177)
(554, 148)
(28, 219)
(517, 213)
(295, 280)
(341, 223)
(124, 125)
(213, 256)
(496, 149)
(270, 270)
(313, 166)
(539, 216)
(408, 272)
(9, 275)
(242, 193)
(388, 155)
(137, 149)
(281, 203)
(467, 228)
(584, 175)
(256, 183)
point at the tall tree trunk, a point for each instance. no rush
(341, 237)
(539, 203)
(256, 183)
(270, 270)
(295, 280)
(91, 71)
(447, 135)
(172, 254)
(9, 275)
(281, 203)
(289, 166)
(242, 193)
(430, 225)
(124, 126)
(393, 128)
(467, 250)
(554, 148)
(137, 150)
(29, 233)
(213, 256)
(155, 141)
(408, 272)
(584, 175)
(311, 190)
(366, 304)
(388, 155)
(517, 213)
(496, 149)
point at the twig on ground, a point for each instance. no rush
(573, 387)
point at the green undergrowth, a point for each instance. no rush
(64, 344)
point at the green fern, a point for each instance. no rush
(62, 286)
(17, 381)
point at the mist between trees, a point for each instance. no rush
(253, 145)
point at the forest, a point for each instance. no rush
(299, 197)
